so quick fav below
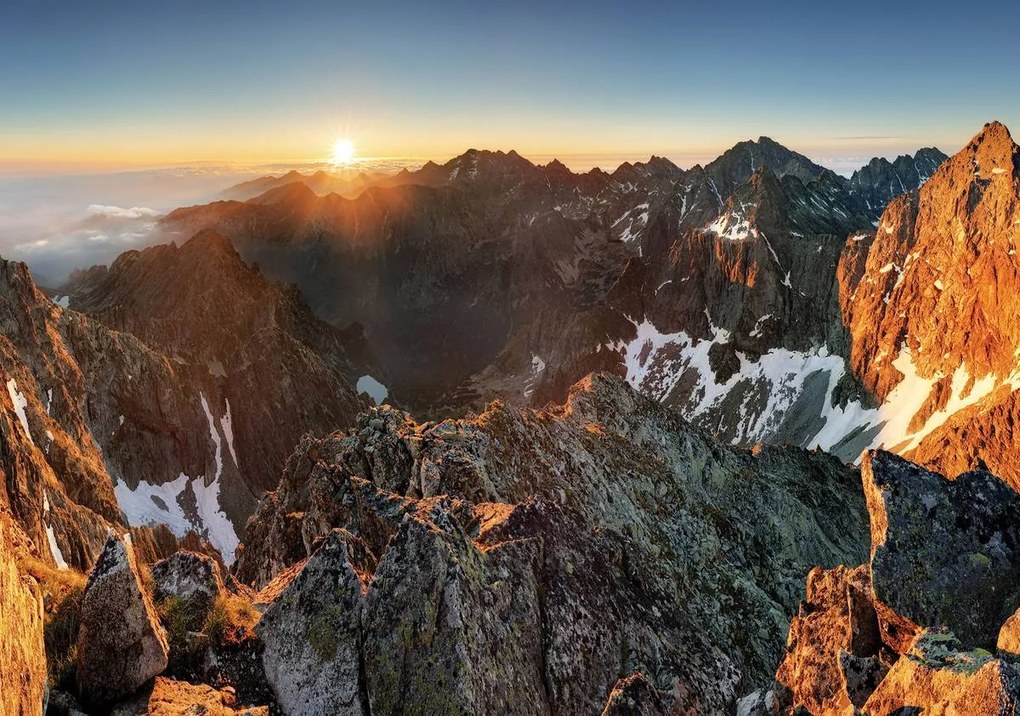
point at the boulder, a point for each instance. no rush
(178, 698)
(311, 633)
(121, 645)
(832, 659)
(941, 676)
(1009, 635)
(944, 553)
(452, 628)
(191, 577)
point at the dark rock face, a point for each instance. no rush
(881, 181)
(174, 404)
(736, 165)
(492, 277)
(714, 289)
(582, 544)
(251, 347)
(121, 645)
(943, 552)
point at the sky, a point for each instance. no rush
(100, 85)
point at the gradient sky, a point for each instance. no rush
(103, 84)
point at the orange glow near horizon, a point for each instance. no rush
(600, 142)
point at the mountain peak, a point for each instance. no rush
(557, 166)
(994, 131)
(990, 153)
(209, 240)
(993, 145)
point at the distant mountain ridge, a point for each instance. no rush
(875, 183)
(534, 253)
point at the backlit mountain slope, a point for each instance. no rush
(503, 278)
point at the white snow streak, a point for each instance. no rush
(20, 403)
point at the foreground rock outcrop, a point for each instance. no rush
(177, 698)
(529, 560)
(121, 645)
(928, 625)
(311, 635)
(191, 577)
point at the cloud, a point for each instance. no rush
(117, 212)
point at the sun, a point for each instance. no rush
(343, 152)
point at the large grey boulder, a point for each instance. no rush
(120, 643)
(944, 553)
(450, 627)
(191, 577)
(311, 634)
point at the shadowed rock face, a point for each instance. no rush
(929, 623)
(492, 277)
(121, 645)
(881, 181)
(943, 553)
(251, 346)
(584, 544)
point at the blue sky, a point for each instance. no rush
(105, 84)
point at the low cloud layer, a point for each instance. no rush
(117, 212)
(59, 223)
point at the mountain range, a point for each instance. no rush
(636, 399)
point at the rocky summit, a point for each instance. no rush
(537, 557)
(928, 623)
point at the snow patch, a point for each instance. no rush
(152, 505)
(733, 225)
(537, 367)
(58, 556)
(220, 529)
(656, 362)
(20, 403)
